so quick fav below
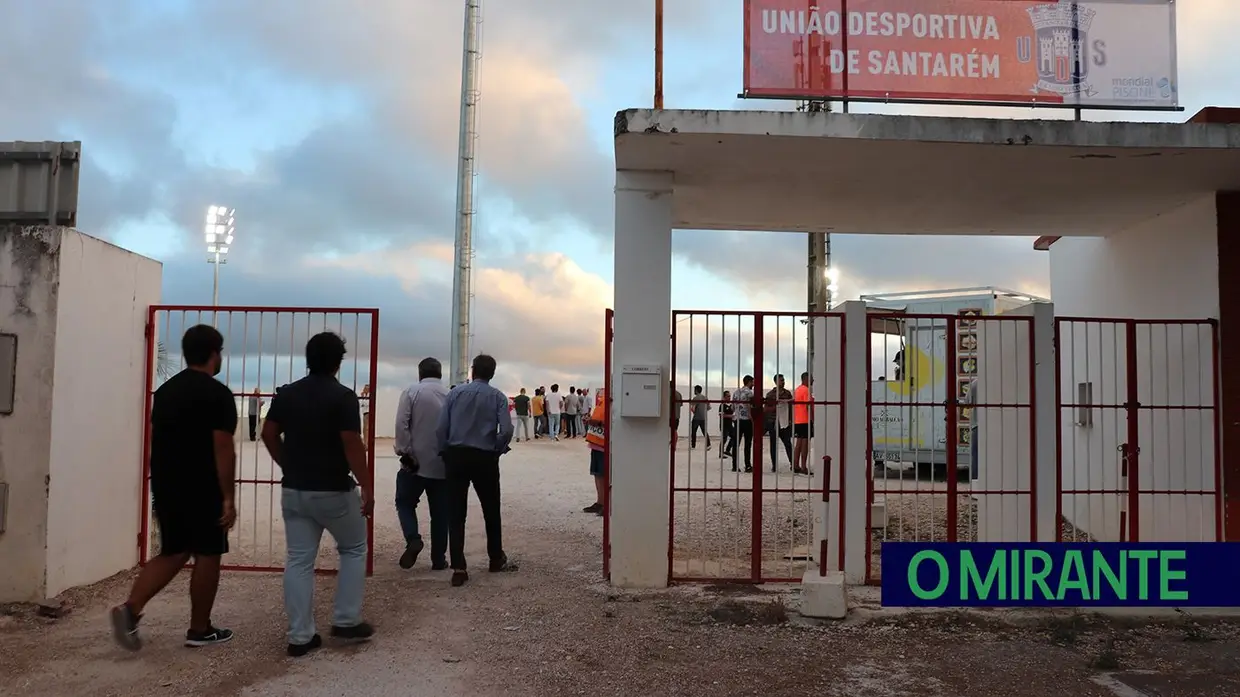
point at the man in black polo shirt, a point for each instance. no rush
(193, 463)
(320, 422)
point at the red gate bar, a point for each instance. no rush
(609, 318)
(277, 337)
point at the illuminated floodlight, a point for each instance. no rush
(219, 232)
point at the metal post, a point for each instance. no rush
(658, 54)
(215, 285)
(465, 211)
(816, 283)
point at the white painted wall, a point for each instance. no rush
(1166, 268)
(28, 273)
(71, 451)
(97, 414)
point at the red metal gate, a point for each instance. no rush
(926, 407)
(1139, 456)
(609, 319)
(264, 348)
(727, 524)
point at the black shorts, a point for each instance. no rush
(597, 462)
(675, 424)
(191, 529)
(802, 431)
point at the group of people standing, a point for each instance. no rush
(552, 414)
(446, 439)
(787, 418)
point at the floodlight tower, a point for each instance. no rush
(220, 228)
(466, 171)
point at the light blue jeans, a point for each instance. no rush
(306, 515)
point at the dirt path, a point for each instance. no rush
(554, 629)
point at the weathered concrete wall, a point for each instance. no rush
(1165, 269)
(97, 410)
(29, 270)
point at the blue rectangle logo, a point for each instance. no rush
(1108, 574)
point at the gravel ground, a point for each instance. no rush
(553, 629)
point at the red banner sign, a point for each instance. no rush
(1112, 53)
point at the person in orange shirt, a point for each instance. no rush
(802, 426)
(536, 405)
(596, 439)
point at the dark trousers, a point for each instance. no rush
(785, 435)
(728, 434)
(253, 427)
(744, 442)
(694, 425)
(480, 468)
(409, 490)
(569, 422)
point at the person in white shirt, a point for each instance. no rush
(568, 414)
(779, 419)
(422, 470)
(554, 407)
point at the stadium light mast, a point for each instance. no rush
(466, 172)
(219, 231)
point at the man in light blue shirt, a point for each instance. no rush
(421, 468)
(474, 430)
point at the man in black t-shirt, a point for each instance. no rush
(192, 464)
(321, 455)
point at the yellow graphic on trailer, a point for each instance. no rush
(919, 373)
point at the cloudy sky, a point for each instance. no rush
(331, 126)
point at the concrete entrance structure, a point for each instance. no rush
(1119, 183)
(71, 440)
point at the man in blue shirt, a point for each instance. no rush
(475, 428)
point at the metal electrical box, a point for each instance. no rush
(641, 391)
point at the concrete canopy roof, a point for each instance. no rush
(875, 174)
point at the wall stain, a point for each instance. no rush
(34, 251)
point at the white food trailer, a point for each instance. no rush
(910, 377)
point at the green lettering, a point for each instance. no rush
(1037, 577)
(1166, 575)
(1072, 576)
(1103, 568)
(1143, 571)
(1014, 566)
(971, 578)
(938, 559)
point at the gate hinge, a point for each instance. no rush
(148, 330)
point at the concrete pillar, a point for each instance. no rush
(855, 463)
(640, 453)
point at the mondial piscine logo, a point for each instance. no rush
(1108, 574)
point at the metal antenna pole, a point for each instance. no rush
(466, 171)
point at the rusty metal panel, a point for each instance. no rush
(39, 182)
